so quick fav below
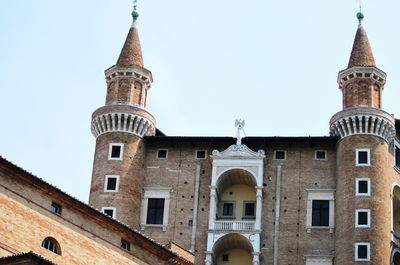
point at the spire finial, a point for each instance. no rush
(135, 14)
(360, 15)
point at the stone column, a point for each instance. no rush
(213, 207)
(258, 208)
(256, 258)
(208, 260)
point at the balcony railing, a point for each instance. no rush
(234, 225)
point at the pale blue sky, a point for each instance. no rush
(273, 63)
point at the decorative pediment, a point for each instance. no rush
(236, 150)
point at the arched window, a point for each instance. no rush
(52, 245)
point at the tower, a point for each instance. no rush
(119, 127)
(364, 160)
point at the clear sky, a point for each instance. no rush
(272, 63)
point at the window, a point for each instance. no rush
(280, 155)
(201, 154)
(320, 155)
(110, 211)
(363, 187)
(125, 244)
(155, 207)
(52, 245)
(320, 209)
(362, 251)
(397, 154)
(115, 152)
(55, 208)
(155, 211)
(227, 209)
(111, 183)
(225, 257)
(320, 213)
(363, 218)
(249, 209)
(162, 153)
(363, 157)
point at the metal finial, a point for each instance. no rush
(360, 15)
(135, 14)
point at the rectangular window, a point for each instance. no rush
(280, 155)
(249, 209)
(362, 251)
(201, 154)
(125, 244)
(110, 211)
(363, 217)
(162, 153)
(363, 157)
(320, 155)
(55, 208)
(115, 152)
(227, 209)
(320, 213)
(111, 183)
(397, 154)
(155, 211)
(363, 187)
(225, 257)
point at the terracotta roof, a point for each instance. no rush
(131, 53)
(361, 54)
(30, 257)
(163, 251)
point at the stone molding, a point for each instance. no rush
(238, 151)
(374, 73)
(136, 72)
(363, 120)
(122, 122)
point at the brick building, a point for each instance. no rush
(244, 200)
(256, 200)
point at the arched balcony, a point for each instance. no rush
(235, 201)
(232, 249)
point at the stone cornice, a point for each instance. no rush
(363, 120)
(374, 73)
(136, 72)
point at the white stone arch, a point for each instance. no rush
(226, 170)
(394, 252)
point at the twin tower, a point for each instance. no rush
(365, 175)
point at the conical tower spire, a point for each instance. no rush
(361, 54)
(131, 53)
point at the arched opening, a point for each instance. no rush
(233, 249)
(395, 258)
(396, 213)
(52, 245)
(236, 202)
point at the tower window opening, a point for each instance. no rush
(363, 157)
(362, 251)
(363, 187)
(125, 244)
(280, 155)
(320, 213)
(52, 245)
(55, 208)
(155, 211)
(320, 155)
(111, 183)
(363, 217)
(201, 154)
(110, 211)
(116, 151)
(162, 153)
